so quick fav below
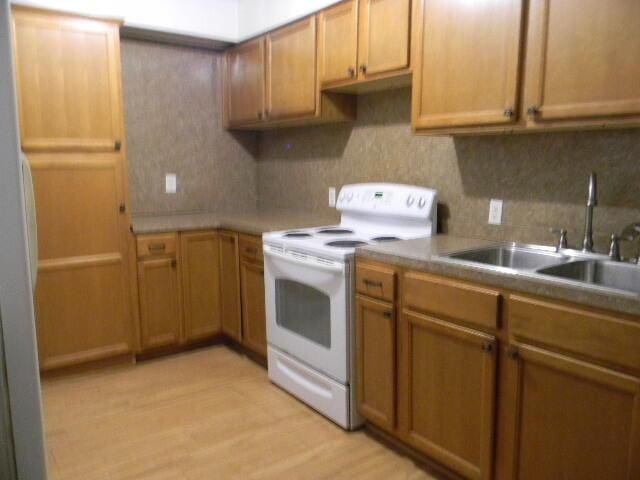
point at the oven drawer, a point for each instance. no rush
(376, 281)
(322, 393)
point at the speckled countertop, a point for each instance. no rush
(419, 254)
(253, 222)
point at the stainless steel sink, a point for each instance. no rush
(620, 276)
(511, 256)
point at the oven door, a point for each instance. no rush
(307, 310)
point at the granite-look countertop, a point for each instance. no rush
(255, 222)
(419, 254)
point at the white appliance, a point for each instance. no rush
(309, 286)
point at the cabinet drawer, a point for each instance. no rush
(155, 245)
(599, 336)
(451, 299)
(376, 281)
(251, 248)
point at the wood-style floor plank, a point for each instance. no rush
(205, 415)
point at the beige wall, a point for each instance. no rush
(173, 119)
(541, 177)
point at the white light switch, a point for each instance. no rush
(332, 196)
(495, 212)
(170, 183)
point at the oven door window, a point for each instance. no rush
(304, 310)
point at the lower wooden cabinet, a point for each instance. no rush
(574, 419)
(160, 309)
(230, 309)
(200, 270)
(254, 324)
(447, 393)
(376, 350)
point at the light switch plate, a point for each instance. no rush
(495, 211)
(332, 196)
(170, 183)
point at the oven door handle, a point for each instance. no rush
(337, 268)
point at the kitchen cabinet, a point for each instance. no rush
(447, 392)
(291, 76)
(376, 351)
(365, 40)
(200, 269)
(68, 78)
(245, 83)
(574, 418)
(466, 63)
(254, 323)
(159, 292)
(582, 62)
(230, 309)
(71, 127)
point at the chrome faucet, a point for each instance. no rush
(592, 201)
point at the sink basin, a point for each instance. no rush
(620, 276)
(510, 256)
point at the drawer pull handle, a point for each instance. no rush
(487, 347)
(372, 283)
(157, 247)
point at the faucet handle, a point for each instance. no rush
(562, 237)
(614, 248)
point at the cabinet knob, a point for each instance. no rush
(513, 354)
(174, 263)
(117, 145)
(363, 68)
(508, 112)
(533, 110)
(259, 115)
(387, 314)
(122, 208)
(351, 72)
(487, 347)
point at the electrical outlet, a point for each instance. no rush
(495, 212)
(170, 183)
(332, 196)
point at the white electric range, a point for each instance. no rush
(309, 291)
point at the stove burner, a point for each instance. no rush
(384, 239)
(345, 243)
(297, 235)
(334, 231)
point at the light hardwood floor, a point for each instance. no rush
(210, 414)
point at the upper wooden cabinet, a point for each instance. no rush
(582, 60)
(245, 83)
(68, 77)
(466, 61)
(363, 40)
(200, 269)
(291, 76)
(338, 42)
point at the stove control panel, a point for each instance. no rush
(387, 199)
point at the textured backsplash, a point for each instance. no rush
(173, 119)
(542, 177)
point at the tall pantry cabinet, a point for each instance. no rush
(72, 131)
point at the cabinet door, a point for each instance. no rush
(447, 394)
(466, 63)
(376, 356)
(291, 70)
(338, 42)
(245, 83)
(573, 419)
(68, 76)
(383, 43)
(230, 313)
(254, 322)
(582, 59)
(160, 313)
(200, 268)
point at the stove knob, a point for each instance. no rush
(422, 202)
(410, 200)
